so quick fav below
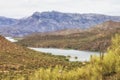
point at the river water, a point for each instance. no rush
(81, 55)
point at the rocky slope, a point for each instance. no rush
(20, 59)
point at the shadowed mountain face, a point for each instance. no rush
(7, 21)
(97, 38)
(52, 21)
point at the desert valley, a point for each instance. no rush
(60, 46)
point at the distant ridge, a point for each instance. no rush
(97, 38)
(109, 24)
(51, 21)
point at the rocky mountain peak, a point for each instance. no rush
(53, 21)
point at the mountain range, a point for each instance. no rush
(50, 21)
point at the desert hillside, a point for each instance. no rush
(97, 38)
(16, 58)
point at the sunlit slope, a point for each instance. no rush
(14, 57)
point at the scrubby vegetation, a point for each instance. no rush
(18, 60)
(105, 67)
(14, 57)
(21, 63)
(96, 39)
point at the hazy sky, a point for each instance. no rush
(23, 8)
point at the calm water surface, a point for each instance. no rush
(81, 55)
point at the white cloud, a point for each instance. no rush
(21, 8)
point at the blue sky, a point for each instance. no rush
(24, 8)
